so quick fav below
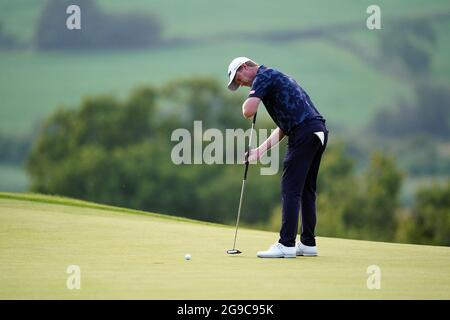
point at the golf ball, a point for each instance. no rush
(187, 256)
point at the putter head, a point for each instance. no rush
(233, 251)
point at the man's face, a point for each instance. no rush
(244, 76)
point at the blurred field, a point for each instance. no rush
(345, 88)
(203, 17)
(53, 80)
(125, 254)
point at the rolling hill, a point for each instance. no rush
(33, 83)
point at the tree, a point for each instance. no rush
(429, 221)
(350, 206)
(119, 153)
(338, 196)
(383, 181)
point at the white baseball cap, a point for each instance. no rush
(232, 68)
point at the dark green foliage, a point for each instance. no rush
(351, 207)
(120, 153)
(358, 208)
(429, 220)
(383, 182)
(339, 195)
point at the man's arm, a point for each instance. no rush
(276, 136)
(250, 107)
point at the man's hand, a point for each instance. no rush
(253, 155)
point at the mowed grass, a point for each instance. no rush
(126, 254)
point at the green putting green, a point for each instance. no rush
(126, 254)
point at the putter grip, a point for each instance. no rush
(248, 149)
(246, 170)
(254, 118)
(247, 153)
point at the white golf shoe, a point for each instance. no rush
(307, 251)
(277, 251)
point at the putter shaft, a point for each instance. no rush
(239, 212)
(234, 251)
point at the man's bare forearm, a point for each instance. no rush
(276, 136)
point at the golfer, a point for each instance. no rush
(296, 117)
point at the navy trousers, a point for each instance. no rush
(298, 187)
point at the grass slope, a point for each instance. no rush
(127, 254)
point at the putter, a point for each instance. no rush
(234, 250)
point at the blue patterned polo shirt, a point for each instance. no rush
(286, 102)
